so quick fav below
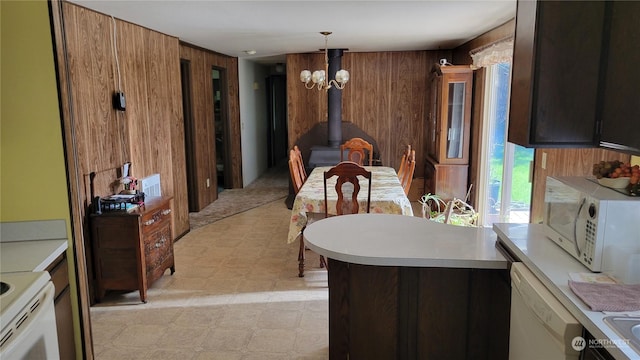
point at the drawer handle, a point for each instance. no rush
(149, 222)
(160, 243)
(166, 212)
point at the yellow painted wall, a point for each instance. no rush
(33, 180)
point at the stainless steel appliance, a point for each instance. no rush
(592, 222)
(27, 316)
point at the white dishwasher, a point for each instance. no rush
(541, 327)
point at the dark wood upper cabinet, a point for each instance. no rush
(620, 105)
(555, 73)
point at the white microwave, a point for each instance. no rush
(595, 224)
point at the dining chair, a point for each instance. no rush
(407, 175)
(403, 162)
(347, 188)
(302, 170)
(295, 164)
(298, 177)
(355, 148)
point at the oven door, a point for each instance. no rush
(32, 333)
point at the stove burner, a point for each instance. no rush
(4, 287)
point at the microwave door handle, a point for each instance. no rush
(575, 226)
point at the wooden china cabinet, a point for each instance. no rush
(448, 130)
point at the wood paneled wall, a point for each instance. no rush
(201, 63)
(149, 133)
(385, 97)
(100, 139)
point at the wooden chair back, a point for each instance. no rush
(295, 164)
(403, 162)
(407, 175)
(356, 151)
(302, 170)
(347, 172)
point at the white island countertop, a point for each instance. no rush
(398, 240)
(552, 266)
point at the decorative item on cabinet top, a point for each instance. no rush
(133, 190)
(118, 202)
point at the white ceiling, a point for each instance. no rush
(275, 28)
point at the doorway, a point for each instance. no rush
(277, 133)
(506, 168)
(185, 76)
(221, 128)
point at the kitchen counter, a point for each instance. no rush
(552, 265)
(397, 240)
(33, 255)
(403, 287)
(31, 245)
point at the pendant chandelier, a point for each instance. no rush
(318, 78)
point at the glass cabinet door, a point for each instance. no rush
(455, 121)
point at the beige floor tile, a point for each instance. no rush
(200, 316)
(272, 341)
(104, 332)
(315, 321)
(124, 353)
(190, 337)
(241, 316)
(226, 339)
(279, 319)
(172, 354)
(312, 342)
(139, 335)
(218, 355)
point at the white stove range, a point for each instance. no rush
(20, 288)
(27, 310)
(27, 316)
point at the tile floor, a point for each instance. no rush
(235, 295)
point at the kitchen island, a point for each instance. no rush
(402, 287)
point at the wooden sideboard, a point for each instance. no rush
(131, 250)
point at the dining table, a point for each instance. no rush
(387, 197)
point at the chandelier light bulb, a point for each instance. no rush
(342, 76)
(318, 77)
(305, 76)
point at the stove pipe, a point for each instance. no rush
(334, 100)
